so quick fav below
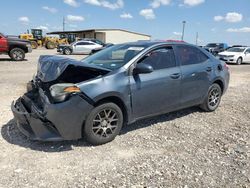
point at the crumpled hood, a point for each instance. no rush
(51, 67)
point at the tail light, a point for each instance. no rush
(226, 66)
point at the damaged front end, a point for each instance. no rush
(54, 108)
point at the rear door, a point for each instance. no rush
(3, 44)
(196, 69)
(159, 91)
(247, 56)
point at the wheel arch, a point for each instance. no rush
(11, 47)
(68, 48)
(116, 100)
(220, 83)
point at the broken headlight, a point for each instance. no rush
(60, 92)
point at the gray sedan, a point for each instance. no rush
(95, 97)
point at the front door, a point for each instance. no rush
(159, 91)
(3, 44)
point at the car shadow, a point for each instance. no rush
(12, 135)
(159, 119)
(9, 59)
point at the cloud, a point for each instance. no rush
(239, 30)
(218, 18)
(148, 14)
(59, 28)
(72, 3)
(43, 27)
(50, 9)
(73, 18)
(24, 20)
(177, 33)
(158, 3)
(213, 29)
(104, 3)
(126, 16)
(73, 26)
(231, 17)
(193, 2)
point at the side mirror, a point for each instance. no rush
(142, 68)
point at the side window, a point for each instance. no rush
(189, 55)
(248, 50)
(160, 58)
(83, 43)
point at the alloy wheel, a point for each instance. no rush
(105, 123)
(17, 55)
(214, 97)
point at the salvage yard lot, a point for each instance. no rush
(188, 147)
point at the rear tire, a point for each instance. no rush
(50, 45)
(213, 98)
(17, 54)
(103, 124)
(239, 61)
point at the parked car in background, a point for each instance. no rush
(238, 45)
(236, 55)
(119, 85)
(216, 48)
(14, 47)
(79, 47)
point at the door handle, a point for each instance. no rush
(209, 69)
(175, 75)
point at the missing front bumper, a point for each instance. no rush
(31, 125)
(55, 122)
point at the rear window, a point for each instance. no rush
(189, 55)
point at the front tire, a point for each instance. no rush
(213, 98)
(103, 124)
(17, 54)
(239, 61)
(67, 51)
(34, 45)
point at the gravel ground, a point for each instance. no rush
(188, 148)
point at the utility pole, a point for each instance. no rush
(197, 37)
(183, 29)
(63, 23)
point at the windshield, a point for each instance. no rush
(236, 49)
(114, 57)
(212, 45)
(98, 42)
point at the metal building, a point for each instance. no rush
(114, 36)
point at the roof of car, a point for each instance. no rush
(148, 43)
